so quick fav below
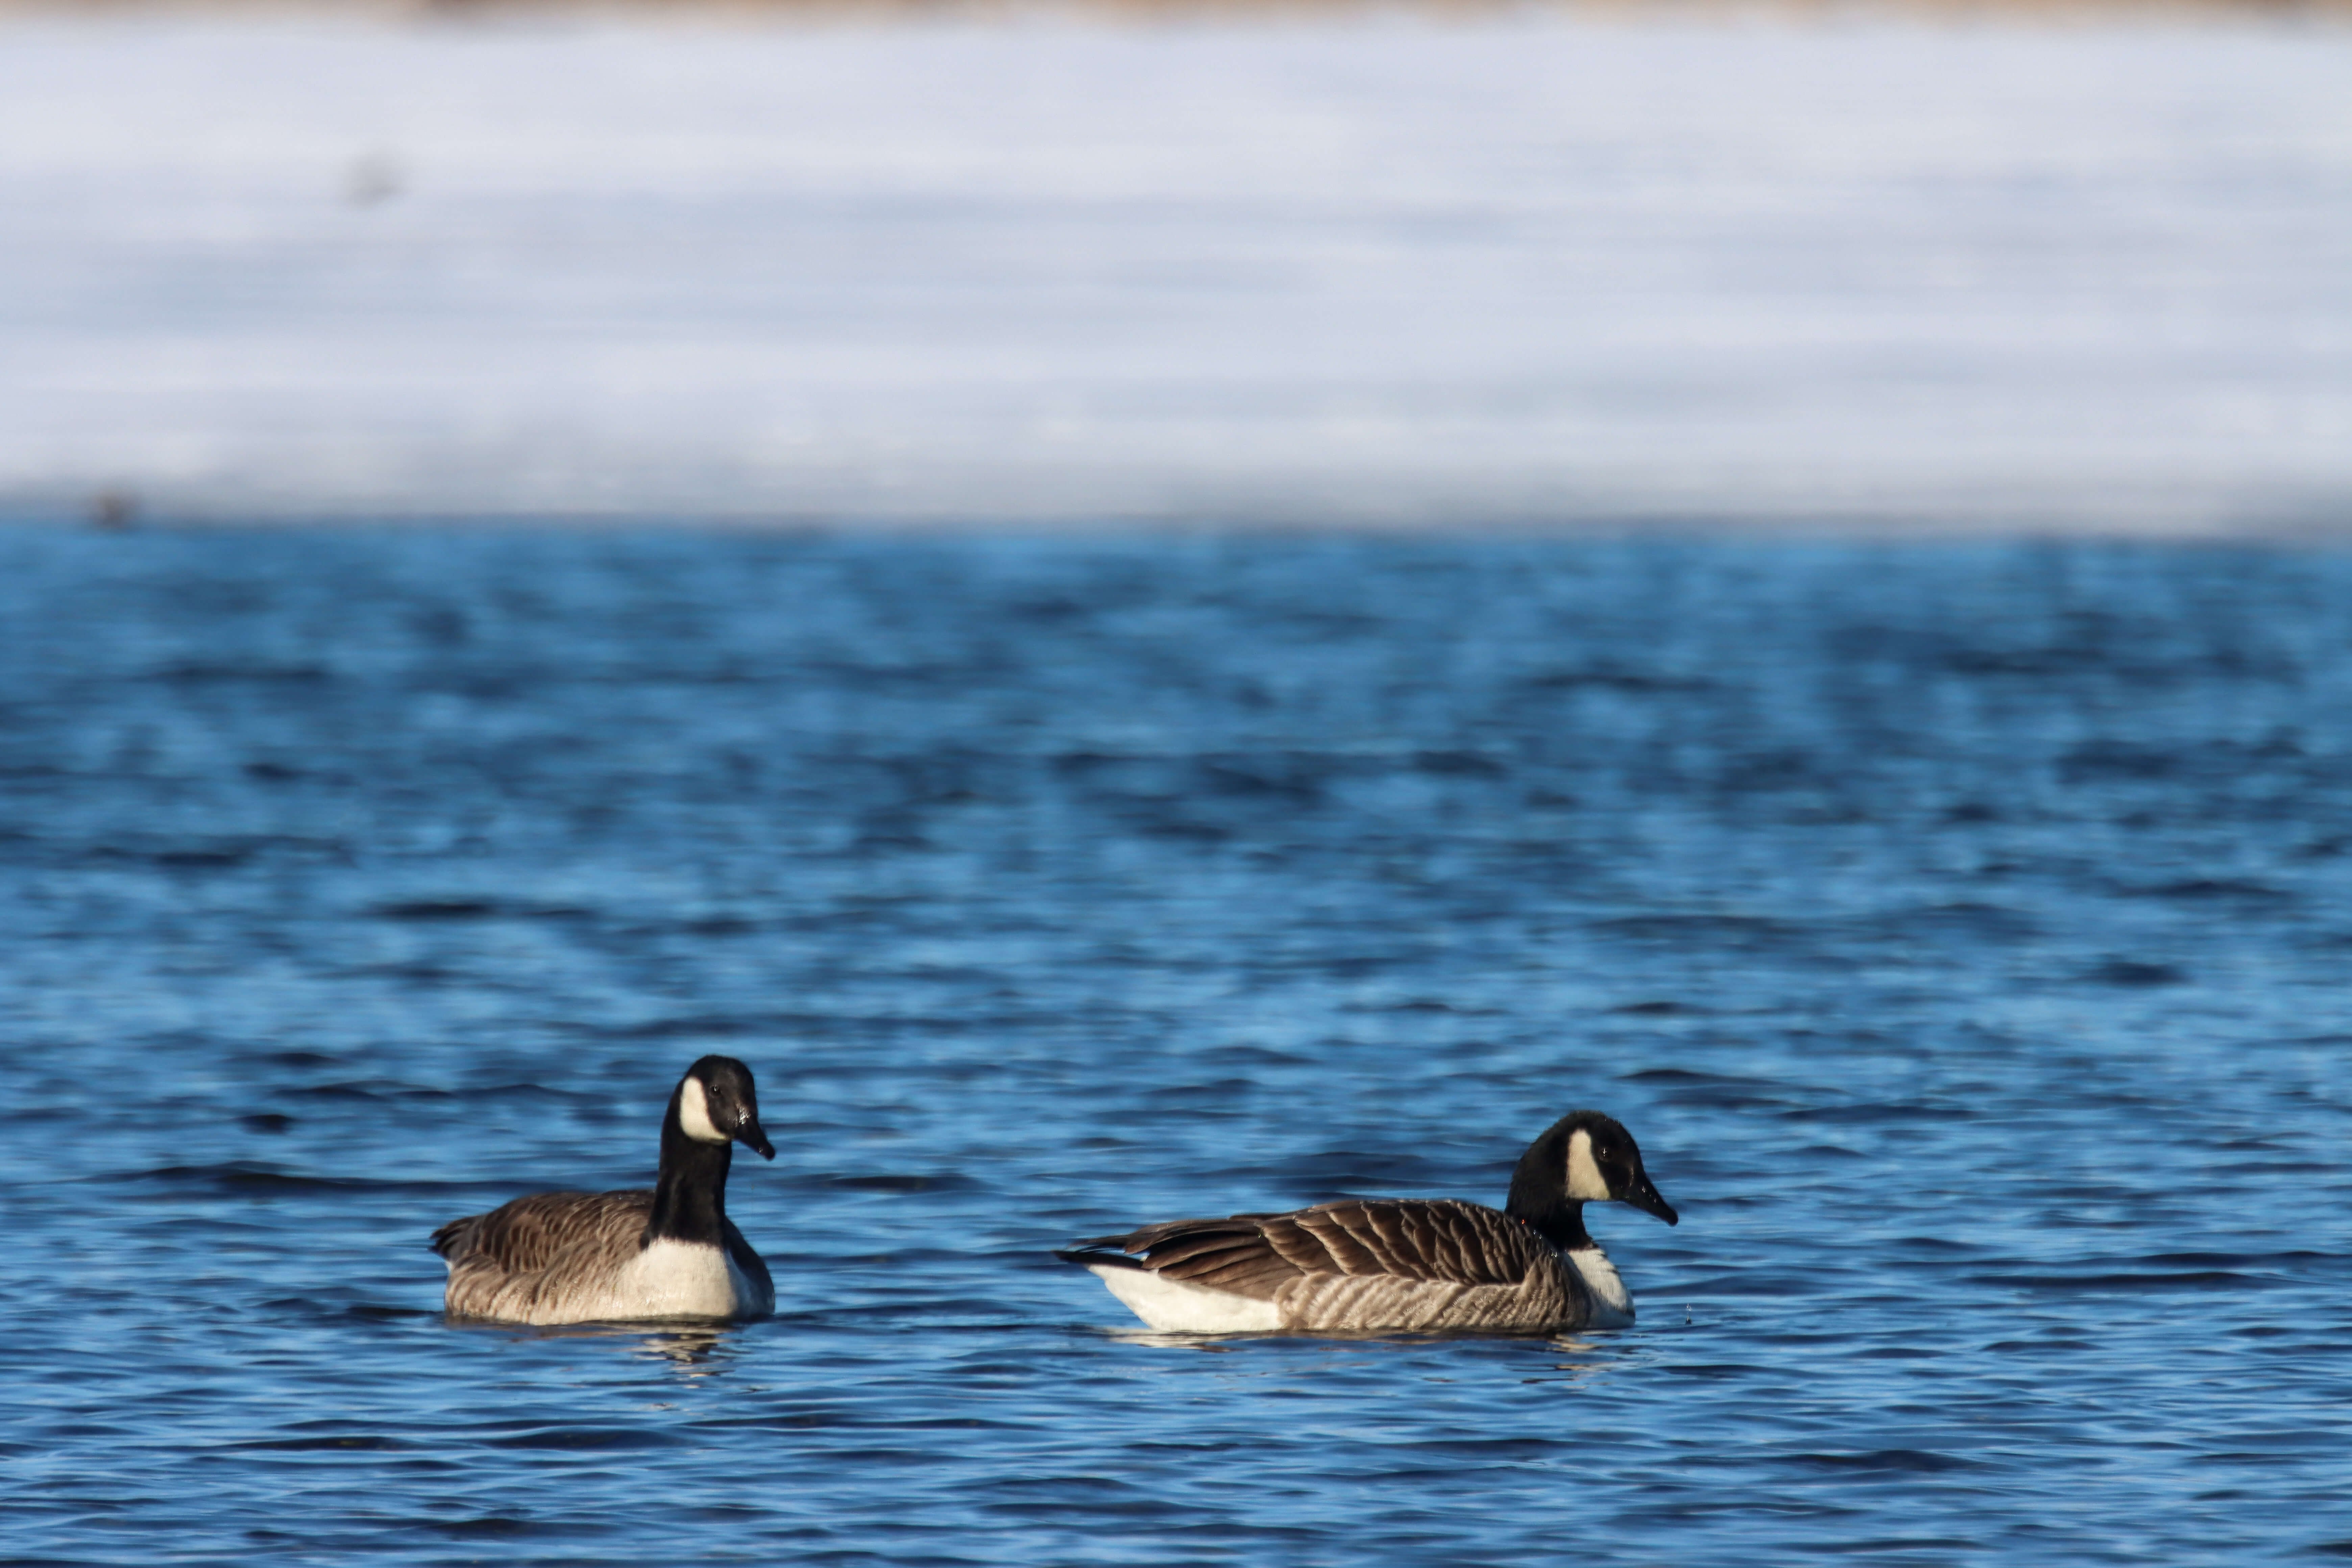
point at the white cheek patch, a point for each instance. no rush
(1584, 1182)
(694, 1113)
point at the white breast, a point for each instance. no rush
(684, 1280)
(1176, 1307)
(1612, 1304)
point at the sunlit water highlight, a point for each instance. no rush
(1962, 930)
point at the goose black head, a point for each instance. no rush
(716, 1103)
(1586, 1158)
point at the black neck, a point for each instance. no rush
(690, 1193)
(1540, 1193)
(1560, 1221)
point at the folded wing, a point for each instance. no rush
(529, 1234)
(1437, 1240)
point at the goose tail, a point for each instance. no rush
(1102, 1252)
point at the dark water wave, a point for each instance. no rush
(1961, 930)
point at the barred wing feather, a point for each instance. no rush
(1438, 1240)
(531, 1234)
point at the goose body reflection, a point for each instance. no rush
(1373, 1265)
(671, 1252)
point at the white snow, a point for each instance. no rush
(1367, 269)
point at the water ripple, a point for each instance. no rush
(1960, 930)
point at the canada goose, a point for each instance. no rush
(1385, 1264)
(578, 1258)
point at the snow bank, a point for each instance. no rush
(1386, 270)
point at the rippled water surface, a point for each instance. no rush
(1963, 931)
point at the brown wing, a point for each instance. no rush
(1438, 1239)
(529, 1234)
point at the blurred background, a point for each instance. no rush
(1155, 611)
(1880, 267)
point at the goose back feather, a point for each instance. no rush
(1365, 1264)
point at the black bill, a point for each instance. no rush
(1644, 1197)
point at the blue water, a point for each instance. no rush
(1962, 930)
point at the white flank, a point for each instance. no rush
(1612, 1304)
(1177, 1307)
(694, 1113)
(1584, 1182)
(686, 1279)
